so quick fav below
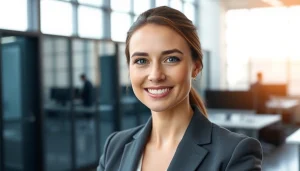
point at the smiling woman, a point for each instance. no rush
(160, 59)
(164, 55)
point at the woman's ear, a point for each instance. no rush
(197, 67)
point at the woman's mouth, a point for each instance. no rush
(158, 92)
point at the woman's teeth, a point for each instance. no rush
(158, 91)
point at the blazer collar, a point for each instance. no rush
(199, 129)
(134, 149)
(189, 153)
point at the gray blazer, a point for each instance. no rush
(204, 147)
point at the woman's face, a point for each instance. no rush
(160, 67)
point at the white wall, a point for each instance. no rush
(211, 33)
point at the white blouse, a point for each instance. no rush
(139, 168)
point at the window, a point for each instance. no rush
(124, 77)
(237, 55)
(61, 61)
(270, 47)
(90, 22)
(189, 11)
(274, 71)
(294, 36)
(177, 4)
(270, 22)
(141, 6)
(161, 3)
(120, 24)
(13, 14)
(135, 18)
(239, 75)
(62, 76)
(91, 2)
(56, 17)
(293, 31)
(120, 5)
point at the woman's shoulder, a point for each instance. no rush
(237, 150)
(222, 136)
(222, 132)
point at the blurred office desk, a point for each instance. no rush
(251, 123)
(283, 106)
(128, 100)
(295, 139)
(230, 111)
(79, 109)
(280, 105)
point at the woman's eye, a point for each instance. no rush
(140, 61)
(173, 59)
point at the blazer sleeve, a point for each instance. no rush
(101, 166)
(247, 156)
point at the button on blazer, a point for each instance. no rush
(204, 147)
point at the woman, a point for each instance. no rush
(164, 55)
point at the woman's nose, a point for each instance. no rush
(156, 74)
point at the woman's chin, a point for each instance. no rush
(158, 107)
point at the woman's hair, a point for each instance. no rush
(181, 24)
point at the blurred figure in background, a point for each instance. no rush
(87, 100)
(87, 91)
(258, 94)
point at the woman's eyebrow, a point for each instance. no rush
(139, 54)
(165, 52)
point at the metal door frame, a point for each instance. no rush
(39, 116)
(1, 113)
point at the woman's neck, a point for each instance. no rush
(168, 127)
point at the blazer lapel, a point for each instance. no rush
(188, 156)
(190, 152)
(133, 150)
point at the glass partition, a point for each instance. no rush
(108, 113)
(57, 104)
(85, 85)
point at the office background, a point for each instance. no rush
(47, 44)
